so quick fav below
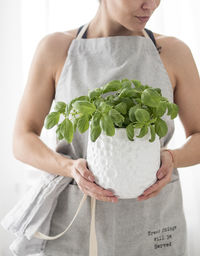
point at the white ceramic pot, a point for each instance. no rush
(125, 167)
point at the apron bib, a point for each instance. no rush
(152, 227)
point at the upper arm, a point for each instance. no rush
(39, 91)
(187, 90)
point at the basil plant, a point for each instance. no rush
(130, 105)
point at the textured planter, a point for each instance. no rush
(125, 167)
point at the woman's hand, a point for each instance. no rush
(164, 176)
(82, 175)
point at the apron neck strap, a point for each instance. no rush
(81, 33)
(84, 28)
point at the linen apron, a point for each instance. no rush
(155, 226)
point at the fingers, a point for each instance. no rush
(81, 166)
(164, 177)
(153, 194)
(81, 174)
(161, 172)
(156, 187)
(165, 167)
(164, 173)
(94, 188)
(100, 197)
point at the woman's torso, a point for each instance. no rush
(67, 37)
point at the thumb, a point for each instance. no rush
(85, 172)
(162, 170)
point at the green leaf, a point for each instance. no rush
(66, 128)
(59, 133)
(161, 109)
(84, 107)
(149, 109)
(51, 120)
(83, 123)
(153, 120)
(164, 99)
(110, 103)
(126, 83)
(158, 90)
(137, 100)
(137, 83)
(129, 102)
(107, 125)
(129, 92)
(138, 125)
(75, 122)
(116, 117)
(154, 112)
(161, 127)
(127, 121)
(85, 98)
(143, 131)
(132, 112)
(95, 93)
(114, 85)
(130, 131)
(175, 110)
(109, 97)
(153, 133)
(95, 131)
(98, 101)
(121, 107)
(142, 115)
(96, 119)
(147, 86)
(67, 109)
(169, 108)
(150, 97)
(60, 106)
(104, 107)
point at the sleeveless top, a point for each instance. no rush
(150, 33)
(155, 226)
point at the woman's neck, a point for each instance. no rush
(103, 26)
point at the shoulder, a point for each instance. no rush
(187, 90)
(172, 47)
(175, 53)
(56, 41)
(171, 43)
(53, 48)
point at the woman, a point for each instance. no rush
(114, 41)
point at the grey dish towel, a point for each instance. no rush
(35, 208)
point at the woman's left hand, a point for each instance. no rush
(163, 174)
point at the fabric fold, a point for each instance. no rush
(34, 210)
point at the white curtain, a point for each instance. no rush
(23, 24)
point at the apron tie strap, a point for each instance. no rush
(93, 240)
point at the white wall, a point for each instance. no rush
(11, 79)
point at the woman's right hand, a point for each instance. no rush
(81, 174)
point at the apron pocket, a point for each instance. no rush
(155, 226)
